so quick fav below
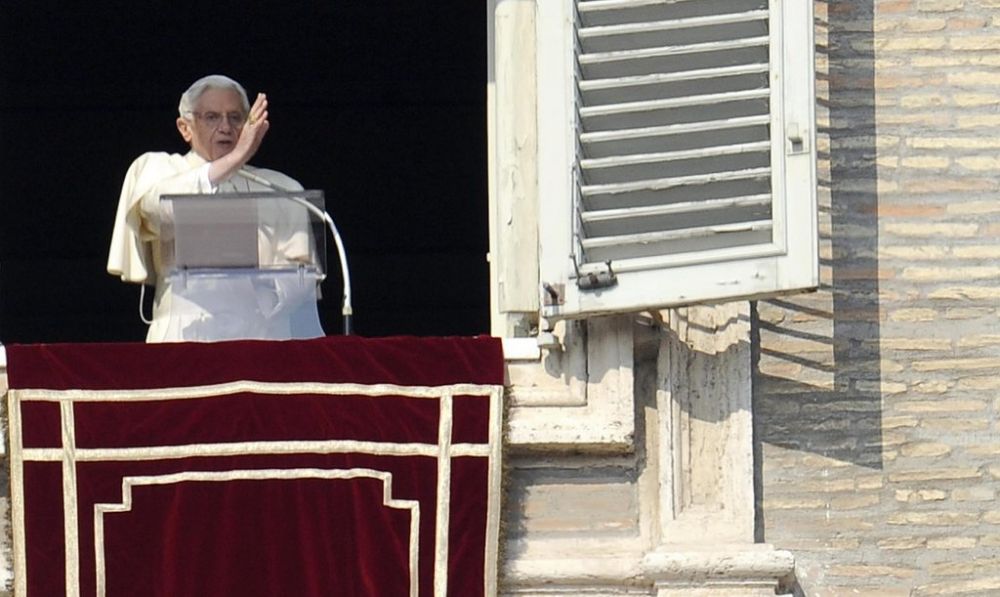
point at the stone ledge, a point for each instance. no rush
(751, 564)
(719, 570)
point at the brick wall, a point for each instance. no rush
(877, 398)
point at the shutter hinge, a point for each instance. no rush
(555, 294)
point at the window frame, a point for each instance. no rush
(571, 384)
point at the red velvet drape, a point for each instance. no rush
(319, 467)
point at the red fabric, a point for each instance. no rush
(336, 359)
(261, 417)
(211, 513)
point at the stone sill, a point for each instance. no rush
(560, 566)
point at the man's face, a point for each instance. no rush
(215, 125)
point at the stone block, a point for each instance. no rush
(926, 162)
(924, 25)
(972, 121)
(979, 383)
(966, 23)
(974, 293)
(973, 494)
(871, 571)
(940, 406)
(938, 274)
(935, 230)
(967, 313)
(977, 252)
(991, 363)
(931, 474)
(955, 424)
(902, 543)
(915, 252)
(951, 543)
(854, 502)
(914, 344)
(915, 314)
(934, 518)
(973, 567)
(932, 386)
(975, 43)
(977, 586)
(984, 449)
(924, 449)
(793, 503)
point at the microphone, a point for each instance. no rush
(346, 310)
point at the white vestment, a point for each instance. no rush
(249, 306)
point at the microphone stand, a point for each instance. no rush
(347, 310)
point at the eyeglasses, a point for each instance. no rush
(214, 119)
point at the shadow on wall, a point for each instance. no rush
(816, 362)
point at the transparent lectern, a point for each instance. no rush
(243, 266)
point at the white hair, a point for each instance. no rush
(190, 97)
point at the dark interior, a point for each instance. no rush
(379, 104)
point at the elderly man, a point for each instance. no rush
(224, 132)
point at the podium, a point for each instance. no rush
(242, 266)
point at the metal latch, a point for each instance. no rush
(605, 278)
(797, 139)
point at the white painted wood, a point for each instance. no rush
(634, 173)
(675, 181)
(660, 158)
(621, 241)
(554, 32)
(668, 25)
(665, 104)
(660, 78)
(514, 210)
(676, 208)
(3, 428)
(799, 105)
(497, 323)
(619, 56)
(6, 546)
(596, 5)
(678, 129)
(555, 403)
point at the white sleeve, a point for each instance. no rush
(137, 223)
(204, 182)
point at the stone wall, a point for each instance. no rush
(876, 399)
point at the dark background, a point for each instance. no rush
(381, 104)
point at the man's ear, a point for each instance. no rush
(184, 127)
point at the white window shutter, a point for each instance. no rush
(676, 152)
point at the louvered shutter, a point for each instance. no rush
(677, 161)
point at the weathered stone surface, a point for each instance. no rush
(912, 293)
